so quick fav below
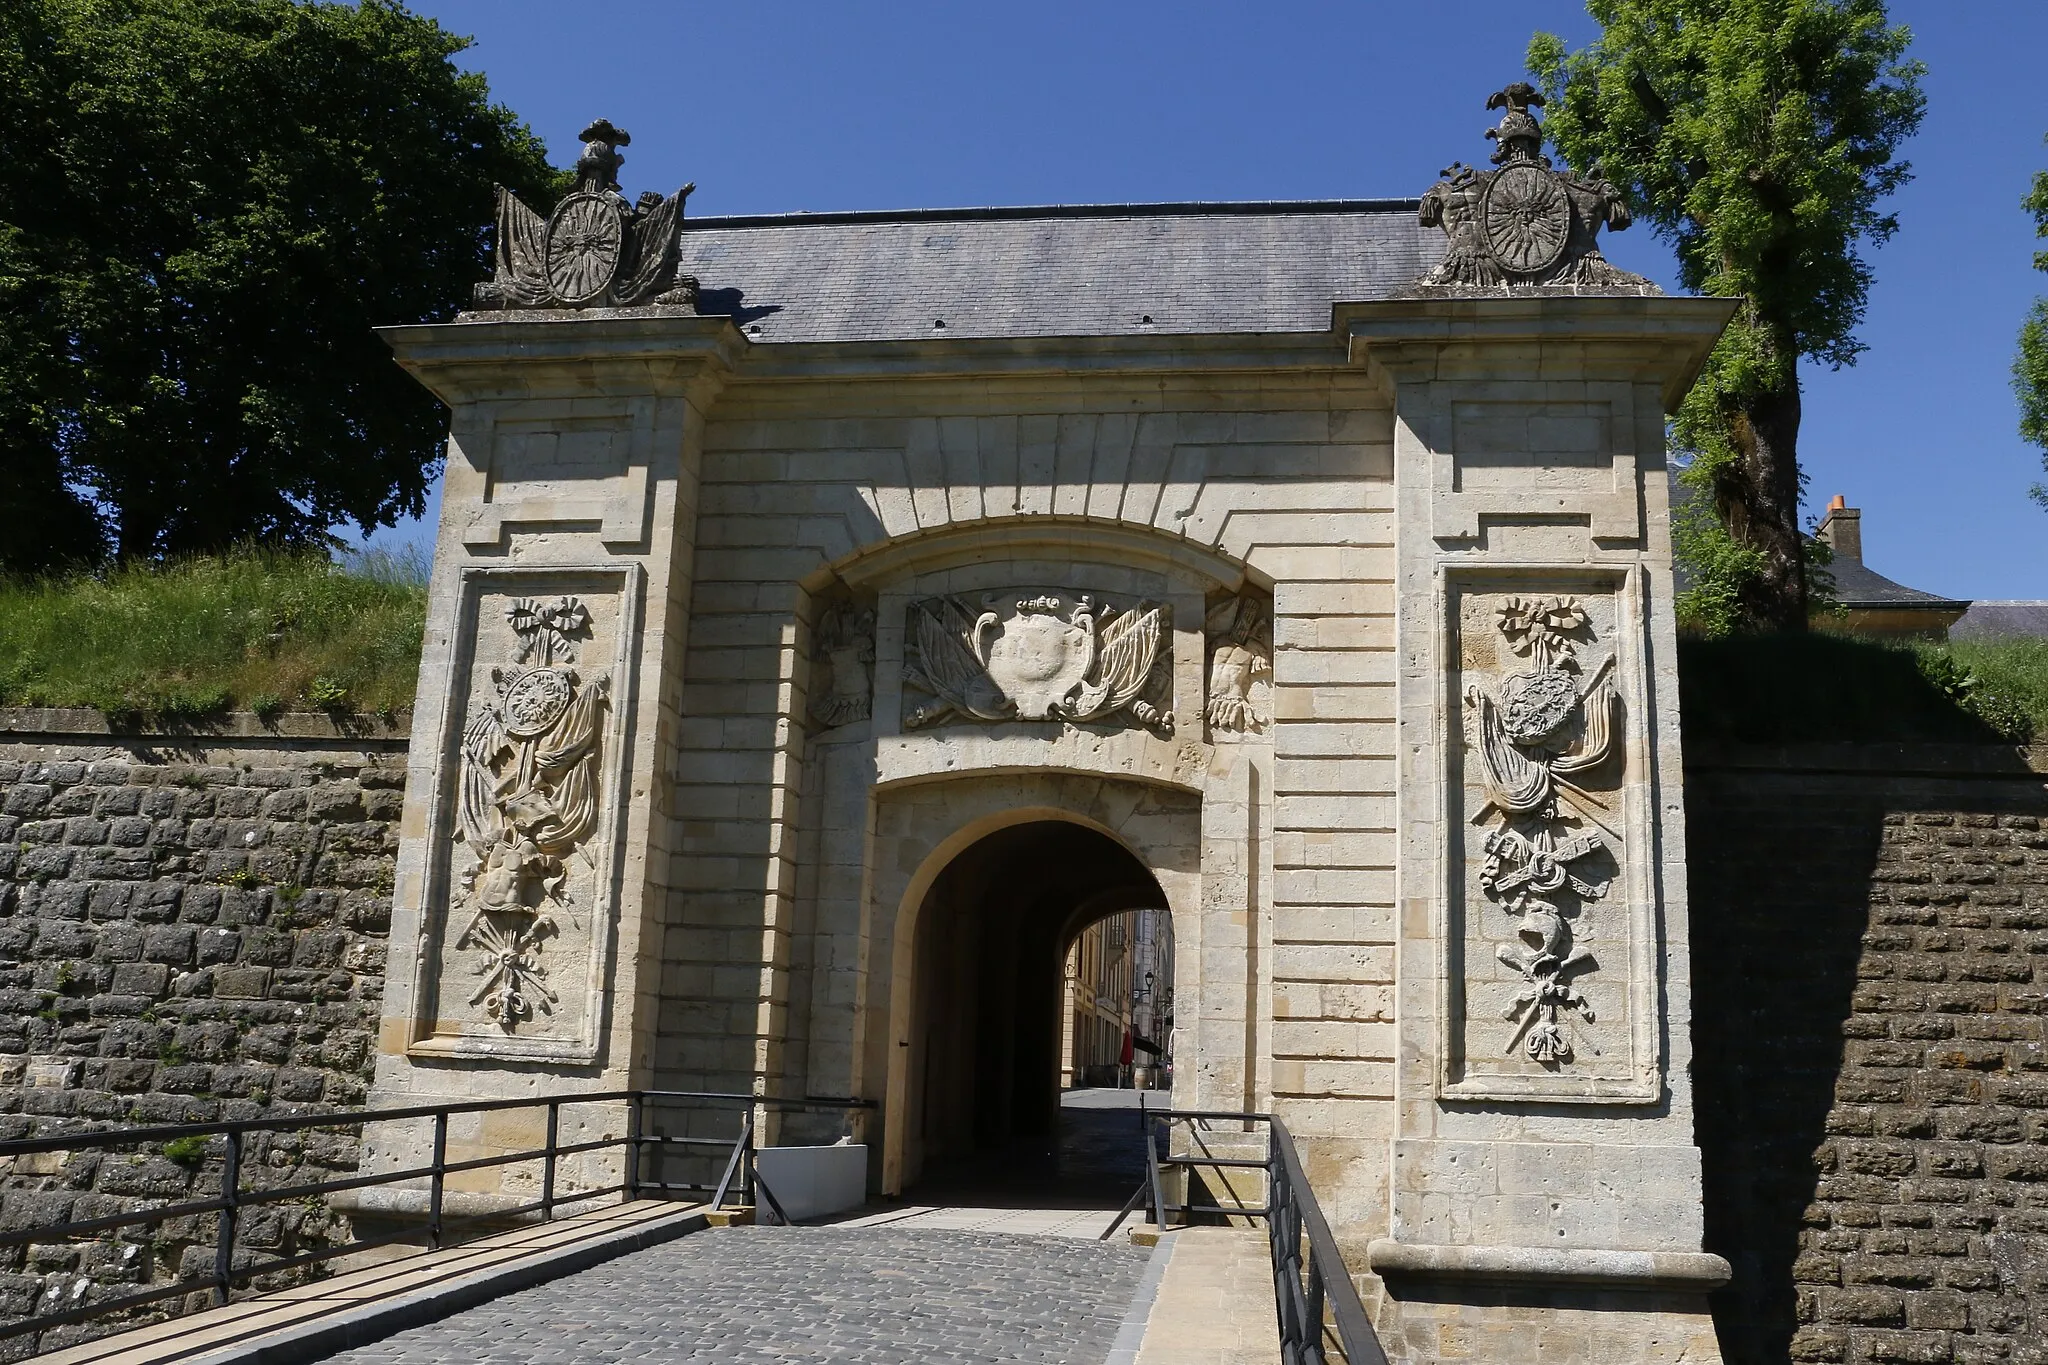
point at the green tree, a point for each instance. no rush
(1758, 137)
(205, 206)
(2030, 367)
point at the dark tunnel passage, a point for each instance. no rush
(992, 936)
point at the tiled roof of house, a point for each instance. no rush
(1086, 270)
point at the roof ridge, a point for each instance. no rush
(1167, 209)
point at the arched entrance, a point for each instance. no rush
(989, 1006)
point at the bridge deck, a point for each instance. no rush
(361, 1305)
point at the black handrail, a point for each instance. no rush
(1310, 1290)
(232, 1198)
(1309, 1287)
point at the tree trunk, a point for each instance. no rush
(1766, 437)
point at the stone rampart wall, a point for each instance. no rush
(191, 929)
(1870, 940)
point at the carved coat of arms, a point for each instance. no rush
(528, 803)
(1534, 740)
(1527, 223)
(1041, 657)
(595, 249)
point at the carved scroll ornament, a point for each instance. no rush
(528, 803)
(1041, 657)
(1544, 730)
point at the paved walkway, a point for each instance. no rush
(751, 1296)
(1215, 1302)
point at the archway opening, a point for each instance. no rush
(1014, 930)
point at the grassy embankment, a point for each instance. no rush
(1821, 687)
(255, 632)
(270, 633)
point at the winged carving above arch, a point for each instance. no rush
(1032, 655)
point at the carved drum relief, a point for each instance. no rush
(522, 903)
(1552, 901)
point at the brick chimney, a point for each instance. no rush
(1842, 529)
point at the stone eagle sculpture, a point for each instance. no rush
(595, 250)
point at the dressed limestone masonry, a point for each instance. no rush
(816, 649)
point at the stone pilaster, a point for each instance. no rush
(1544, 1169)
(538, 822)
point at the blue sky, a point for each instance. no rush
(798, 105)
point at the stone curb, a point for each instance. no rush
(1130, 1335)
(1698, 1271)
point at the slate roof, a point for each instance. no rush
(1071, 270)
(2001, 620)
(1858, 586)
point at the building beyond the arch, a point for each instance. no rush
(1298, 568)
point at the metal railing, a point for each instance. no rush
(1313, 1290)
(639, 1140)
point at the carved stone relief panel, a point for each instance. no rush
(521, 896)
(842, 664)
(1550, 979)
(1034, 654)
(1239, 691)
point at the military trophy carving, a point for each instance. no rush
(1240, 631)
(1041, 657)
(595, 250)
(528, 803)
(1544, 730)
(842, 664)
(1527, 224)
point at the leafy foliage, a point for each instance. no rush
(205, 207)
(264, 630)
(1759, 138)
(2030, 367)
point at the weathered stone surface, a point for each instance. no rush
(137, 1001)
(1870, 1052)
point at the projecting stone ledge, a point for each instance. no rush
(1692, 1270)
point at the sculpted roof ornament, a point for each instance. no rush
(1526, 225)
(595, 250)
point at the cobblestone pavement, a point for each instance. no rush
(750, 1296)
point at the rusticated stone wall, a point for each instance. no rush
(191, 928)
(1870, 937)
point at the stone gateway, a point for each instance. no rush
(834, 615)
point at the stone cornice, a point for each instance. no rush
(484, 357)
(1670, 337)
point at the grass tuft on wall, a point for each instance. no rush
(258, 631)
